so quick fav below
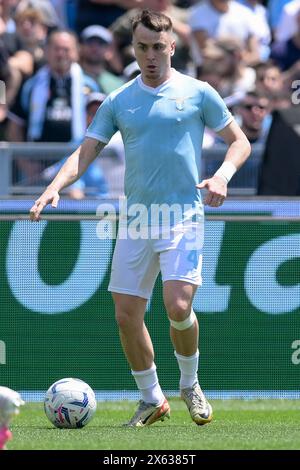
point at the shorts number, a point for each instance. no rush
(193, 258)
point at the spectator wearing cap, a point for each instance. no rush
(112, 161)
(93, 101)
(115, 147)
(95, 50)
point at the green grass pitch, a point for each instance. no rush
(237, 424)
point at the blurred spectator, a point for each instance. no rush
(287, 53)
(50, 18)
(224, 18)
(92, 183)
(237, 76)
(93, 101)
(95, 49)
(212, 67)
(269, 78)
(8, 75)
(290, 76)
(254, 117)
(30, 36)
(275, 8)
(104, 176)
(263, 28)
(280, 99)
(223, 67)
(287, 25)
(122, 32)
(102, 12)
(60, 7)
(6, 78)
(51, 106)
(7, 24)
(4, 65)
(112, 160)
(131, 71)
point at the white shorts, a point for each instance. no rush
(136, 263)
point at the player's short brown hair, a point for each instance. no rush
(152, 20)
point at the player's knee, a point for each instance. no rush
(128, 320)
(123, 319)
(178, 309)
(184, 324)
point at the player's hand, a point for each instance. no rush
(50, 196)
(216, 191)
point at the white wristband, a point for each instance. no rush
(226, 171)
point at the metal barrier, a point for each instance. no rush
(42, 155)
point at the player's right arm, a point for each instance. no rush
(70, 172)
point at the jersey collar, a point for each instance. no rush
(159, 88)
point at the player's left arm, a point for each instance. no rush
(238, 151)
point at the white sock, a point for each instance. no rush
(147, 383)
(188, 366)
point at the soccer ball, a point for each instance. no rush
(70, 403)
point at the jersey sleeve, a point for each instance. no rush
(215, 113)
(103, 126)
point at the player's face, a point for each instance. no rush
(153, 53)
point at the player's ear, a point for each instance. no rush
(173, 48)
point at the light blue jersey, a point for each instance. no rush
(162, 129)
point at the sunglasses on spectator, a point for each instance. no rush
(249, 107)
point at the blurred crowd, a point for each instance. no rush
(60, 58)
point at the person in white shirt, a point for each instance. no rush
(224, 18)
(262, 26)
(287, 26)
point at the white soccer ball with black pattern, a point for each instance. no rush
(70, 403)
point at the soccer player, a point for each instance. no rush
(161, 115)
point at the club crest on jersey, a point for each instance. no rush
(179, 102)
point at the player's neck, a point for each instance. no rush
(154, 83)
